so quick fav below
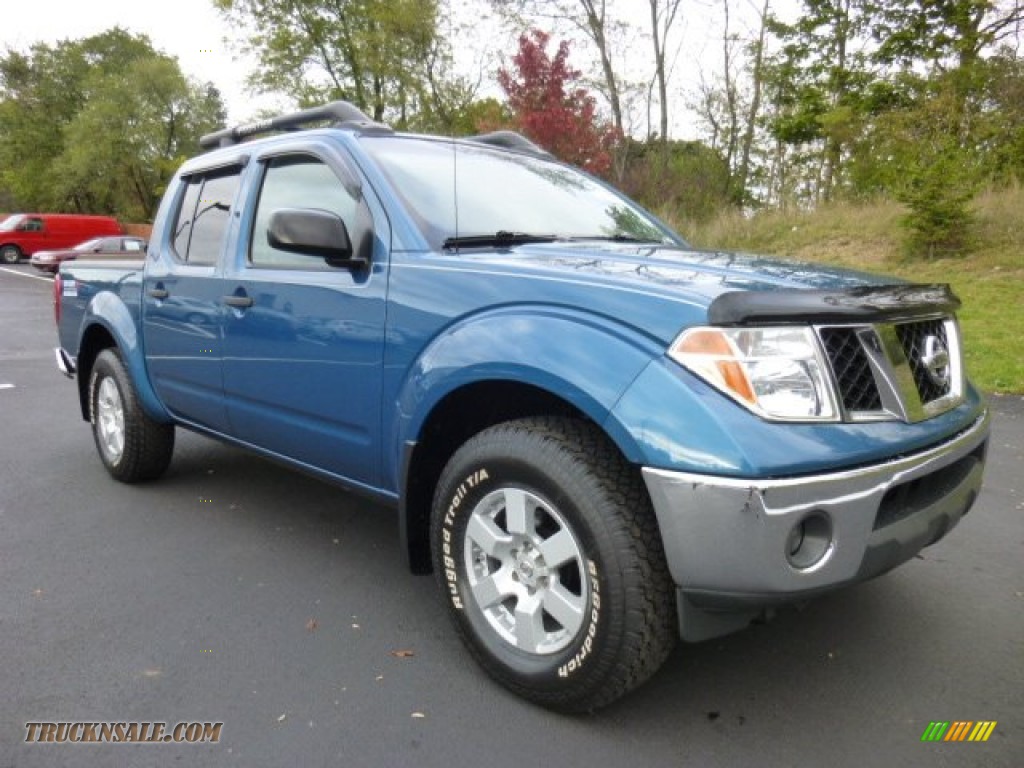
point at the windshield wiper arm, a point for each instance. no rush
(501, 237)
(620, 237)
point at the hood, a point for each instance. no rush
(692, 274)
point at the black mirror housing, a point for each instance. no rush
(313, 232)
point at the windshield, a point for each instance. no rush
(11, 222)
(504, 193)
(88, 245)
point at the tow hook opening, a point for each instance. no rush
(809, 541)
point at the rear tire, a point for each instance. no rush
(132, 446)
(548, 552)
(10, 254)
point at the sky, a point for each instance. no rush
(194, 32)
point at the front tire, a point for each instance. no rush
(132, 446)
(10, 254)
(547, 549)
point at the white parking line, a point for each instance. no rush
(6, 386)
(25, 274)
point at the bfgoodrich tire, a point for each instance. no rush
(548, 553)
(131, 445)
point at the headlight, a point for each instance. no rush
(777, 373)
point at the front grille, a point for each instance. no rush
(913, 337)
(852, 371)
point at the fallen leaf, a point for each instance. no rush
(712, 716)
(311, 625)
(379, 678)
(282, 717)
(37, 592)
(403, 654)
(418, 715)
(151, 672)
(356, 626)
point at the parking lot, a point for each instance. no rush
(237, 591)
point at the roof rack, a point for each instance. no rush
(341, 113)
(510, 140)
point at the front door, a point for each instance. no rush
(304, 341)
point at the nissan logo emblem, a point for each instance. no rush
(936, 360)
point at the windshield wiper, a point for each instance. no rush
(620, 237)
(499, 238)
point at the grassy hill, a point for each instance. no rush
(989, 281)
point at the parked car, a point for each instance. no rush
(23, 234)
(598, 437)
(50, 261)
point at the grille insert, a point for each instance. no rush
(913, 337)
(849, 362)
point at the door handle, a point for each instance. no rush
(238, 301)
(158, 293)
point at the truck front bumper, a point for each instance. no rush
(735, 546)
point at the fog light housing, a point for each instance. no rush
(809, 541)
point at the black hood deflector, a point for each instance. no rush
(867, 304)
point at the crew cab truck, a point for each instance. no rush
(598, 438)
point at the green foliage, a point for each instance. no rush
(97, 125)
(381, 55)
(939, 220)
(685, 181)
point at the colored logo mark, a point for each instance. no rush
(959, 730)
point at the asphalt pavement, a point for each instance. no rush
(237, 591)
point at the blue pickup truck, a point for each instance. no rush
(598, 438)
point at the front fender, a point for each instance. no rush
(108, 311)
(583, 359)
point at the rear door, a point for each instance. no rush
(304, 341)
(182, 299)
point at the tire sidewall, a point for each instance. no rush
(464, 485)
(7, 251)
(104, 369)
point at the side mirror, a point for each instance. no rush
(313, 232)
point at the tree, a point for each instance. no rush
(373, 53)
(663, 17)
(550, 107)
(818, 82)
(593, 19)
(98, 125)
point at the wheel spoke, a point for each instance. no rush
(492, 589)
(559, 549)
(483, 532)
(517, 514)
(529, 624)
(564, 607)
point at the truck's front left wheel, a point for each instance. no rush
(549, 555)
(132, 446)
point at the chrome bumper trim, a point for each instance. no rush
(64, 363)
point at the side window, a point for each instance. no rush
(204, 217)
(31, 225)
(300, 182)
(133, 245)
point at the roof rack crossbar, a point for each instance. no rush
(510, 140)
(339, 112)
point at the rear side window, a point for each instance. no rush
(204, 216)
